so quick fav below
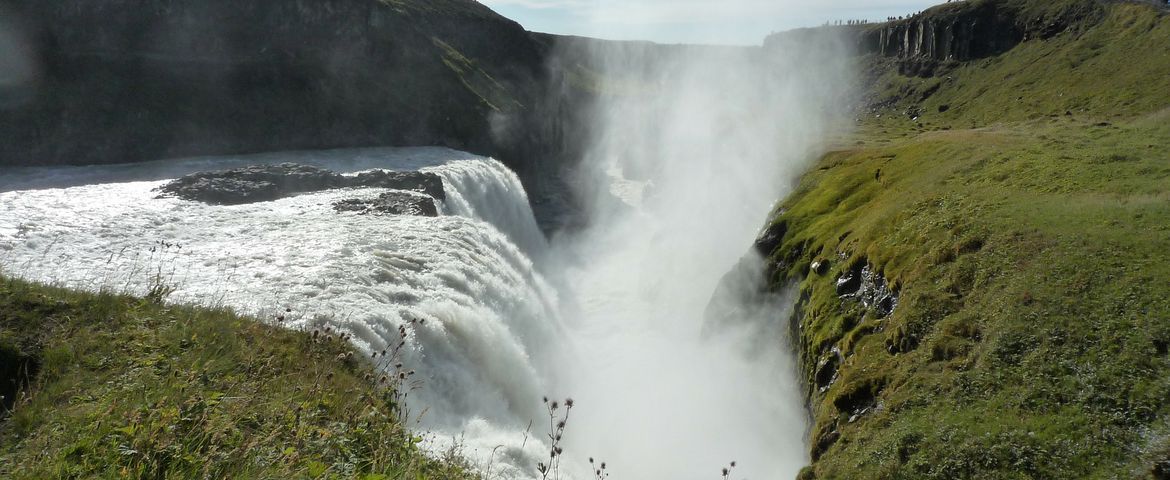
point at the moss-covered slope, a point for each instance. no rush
(1019, 206)
(106, 386)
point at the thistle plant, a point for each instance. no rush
(396, 378)
(727, 470)
(557, 422)
(599, 472)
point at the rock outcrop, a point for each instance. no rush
(863, 284)
(261, 183)
(967, 30)
(390, 203)
(956, 31)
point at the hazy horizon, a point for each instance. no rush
(692, 21)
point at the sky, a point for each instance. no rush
(741, 22)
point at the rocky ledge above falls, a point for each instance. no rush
(261, 183)
(390, 203)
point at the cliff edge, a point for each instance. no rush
(983, 266)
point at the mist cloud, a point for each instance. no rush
(694, 146)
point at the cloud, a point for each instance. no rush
(541, 4)
(693, 20)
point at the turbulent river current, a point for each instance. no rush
(510, 317)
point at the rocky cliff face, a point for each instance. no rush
(963, 30)
(953, 32)
(130, 80)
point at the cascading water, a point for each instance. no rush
(693, 148)
(488, 310)
(612, 315)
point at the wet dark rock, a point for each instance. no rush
(426, 183)
(262, 183)
(848, 283)
(1161, 470)
(827, 369)
(256, 183)
(390, 203)
(820, 267)
(771, 238)
(863, 284)
(859, 397)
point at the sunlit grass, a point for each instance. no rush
(117, 386)
(1027, 229)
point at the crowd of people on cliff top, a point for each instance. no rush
(888, 19)
(894, 19)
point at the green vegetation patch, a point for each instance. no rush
(1111, 65)
(115, 386)
(1026, 231)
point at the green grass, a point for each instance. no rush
(1031, 253)
(1114, 66)
(126, 387)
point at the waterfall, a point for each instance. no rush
(489, 313)
(489, 191)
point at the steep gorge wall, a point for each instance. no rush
(964, 30)
(133, 80)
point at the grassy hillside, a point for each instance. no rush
(1110, 65)
(1020, 207)
(109, 386)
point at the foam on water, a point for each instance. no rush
(610, 318)
(489, 311)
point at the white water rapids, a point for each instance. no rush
(503, 330)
